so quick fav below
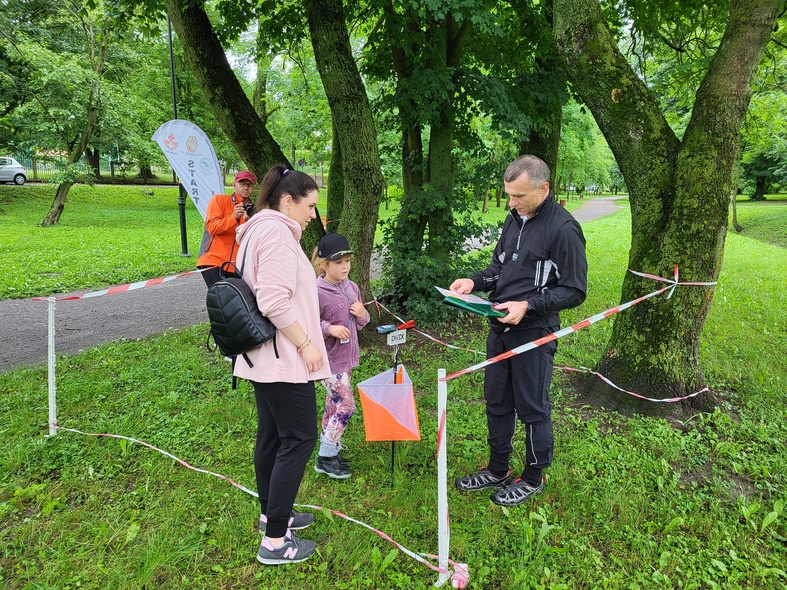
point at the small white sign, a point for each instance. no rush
(398, 337)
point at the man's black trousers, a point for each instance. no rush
(518, 387)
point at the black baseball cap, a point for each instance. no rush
(333, 247)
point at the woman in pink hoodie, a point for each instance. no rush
(283, 374)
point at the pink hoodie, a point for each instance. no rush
(286, 288)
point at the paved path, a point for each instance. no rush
(84, 323)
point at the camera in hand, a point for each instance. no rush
(249, 207)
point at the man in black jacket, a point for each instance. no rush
(538, 268)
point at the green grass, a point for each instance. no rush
(630, 502)
(763, 220)
(107, 235)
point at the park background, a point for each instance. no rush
(693, 498)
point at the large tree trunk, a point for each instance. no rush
(352, 115)
(233, 110)
(440, 167)
(427, 201)
(679, 191)
(76, 151)
(335, 206)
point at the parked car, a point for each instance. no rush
(12, 171)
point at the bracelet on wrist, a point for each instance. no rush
(306, 343)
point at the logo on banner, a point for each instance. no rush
(171, 142)
(205, 167)
(192, 157)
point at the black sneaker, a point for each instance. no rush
(516, 493)
(294, 550)
(482, 480)
(298, 521)
(332, 467)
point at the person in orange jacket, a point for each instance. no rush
(225, 214)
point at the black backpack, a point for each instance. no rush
(236, 323)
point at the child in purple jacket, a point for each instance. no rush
(341, 316)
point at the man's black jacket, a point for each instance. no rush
(540, 260)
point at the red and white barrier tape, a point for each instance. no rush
(650, 399)
(122, 288)
(170, 455)
(583, 324)
(424, 334)
(459, 573)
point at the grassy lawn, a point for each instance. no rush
(107, 235)
(763, 220)
(630, 502)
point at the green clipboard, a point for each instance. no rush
(480, 309)
(472, 304)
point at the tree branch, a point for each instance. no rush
(671, 44)
(779, 43)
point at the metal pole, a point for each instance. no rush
(184, 245)
(443, 530)
(172, 80)
(51, 366)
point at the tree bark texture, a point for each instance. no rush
(440, 166)
(679, 191)
(352, 115)
(233, 110)
(335, 205)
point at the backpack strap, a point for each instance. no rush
(240, 273)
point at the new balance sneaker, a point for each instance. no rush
(332, 467)
(482, 480)
(516, 493)
(294, 550)
(298, 521)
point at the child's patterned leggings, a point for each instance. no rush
(339, 408)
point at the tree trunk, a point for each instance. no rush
(738, 227)
(544, 140)
(411, 222)
(93, 109)
(759, 189)
(679, 192)
(233, 110)
(440, 167)
(92, 157)
(352, 115)
(544, 143)
(336, 184)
